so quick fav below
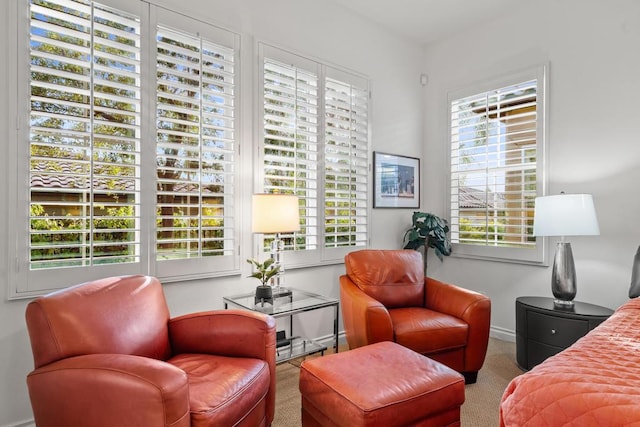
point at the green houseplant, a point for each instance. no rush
(264, 271)
(428, 231)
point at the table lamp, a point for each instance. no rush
(564, 215)
(276, 214)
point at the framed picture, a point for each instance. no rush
(396, 181)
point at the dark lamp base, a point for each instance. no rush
(562, 302)
(563, 275)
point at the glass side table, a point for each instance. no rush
(288, 303)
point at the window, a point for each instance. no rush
(315, 145)
(497, 160)
(196, 148)
(84, 133)
(345, 164)
(95, 164)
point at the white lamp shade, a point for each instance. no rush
(275, 213)
(565, 215)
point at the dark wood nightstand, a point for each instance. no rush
(544, 329)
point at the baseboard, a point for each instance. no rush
(502, 334)
(328, 340)
(24, 423)
(496, 332)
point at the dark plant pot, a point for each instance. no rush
(263, 292)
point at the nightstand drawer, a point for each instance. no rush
(553, 330)
(538, 352)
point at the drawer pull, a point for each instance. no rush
(553, 332)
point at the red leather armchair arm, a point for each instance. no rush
(472, 307)
(230, 333)
(366, 320)
(109, 390)
(225, 332)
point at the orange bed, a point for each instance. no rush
(595, 382)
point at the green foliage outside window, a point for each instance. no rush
(52, 237)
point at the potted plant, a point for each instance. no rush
(264, 272)
(428, 231)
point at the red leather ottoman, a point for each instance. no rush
(382, 384)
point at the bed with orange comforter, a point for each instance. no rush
(595, 382)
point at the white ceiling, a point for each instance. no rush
(425, 21)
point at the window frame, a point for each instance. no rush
(25, 283)
(536, 255)
(211, 266)
(321, 255)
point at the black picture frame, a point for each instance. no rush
(396, 181)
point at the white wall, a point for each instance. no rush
(592, 50)
(307, 27)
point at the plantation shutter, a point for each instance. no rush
(290, 157)
(196, 150)
(84, 135)
(346, 163)
(316, 146)
(495, 156)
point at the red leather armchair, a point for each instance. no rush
(106, 353)
(385, 297)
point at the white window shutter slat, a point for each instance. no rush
(85, 151)
(494, 165)
(346, 163)
(290, 113)
(196, 147)
(316, 146)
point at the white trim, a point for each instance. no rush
(329, 339)
(13, 106)
(497, 332)
(502, 334)
(24, 423)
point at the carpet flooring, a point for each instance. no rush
(482, 399)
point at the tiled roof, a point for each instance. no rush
(70, 176)
(472, 198)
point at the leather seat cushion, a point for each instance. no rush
(222, 389)
(382, 384)
(427, 331)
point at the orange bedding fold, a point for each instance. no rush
(595, 382)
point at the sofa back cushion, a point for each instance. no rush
(123, 315)
(393, 277)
